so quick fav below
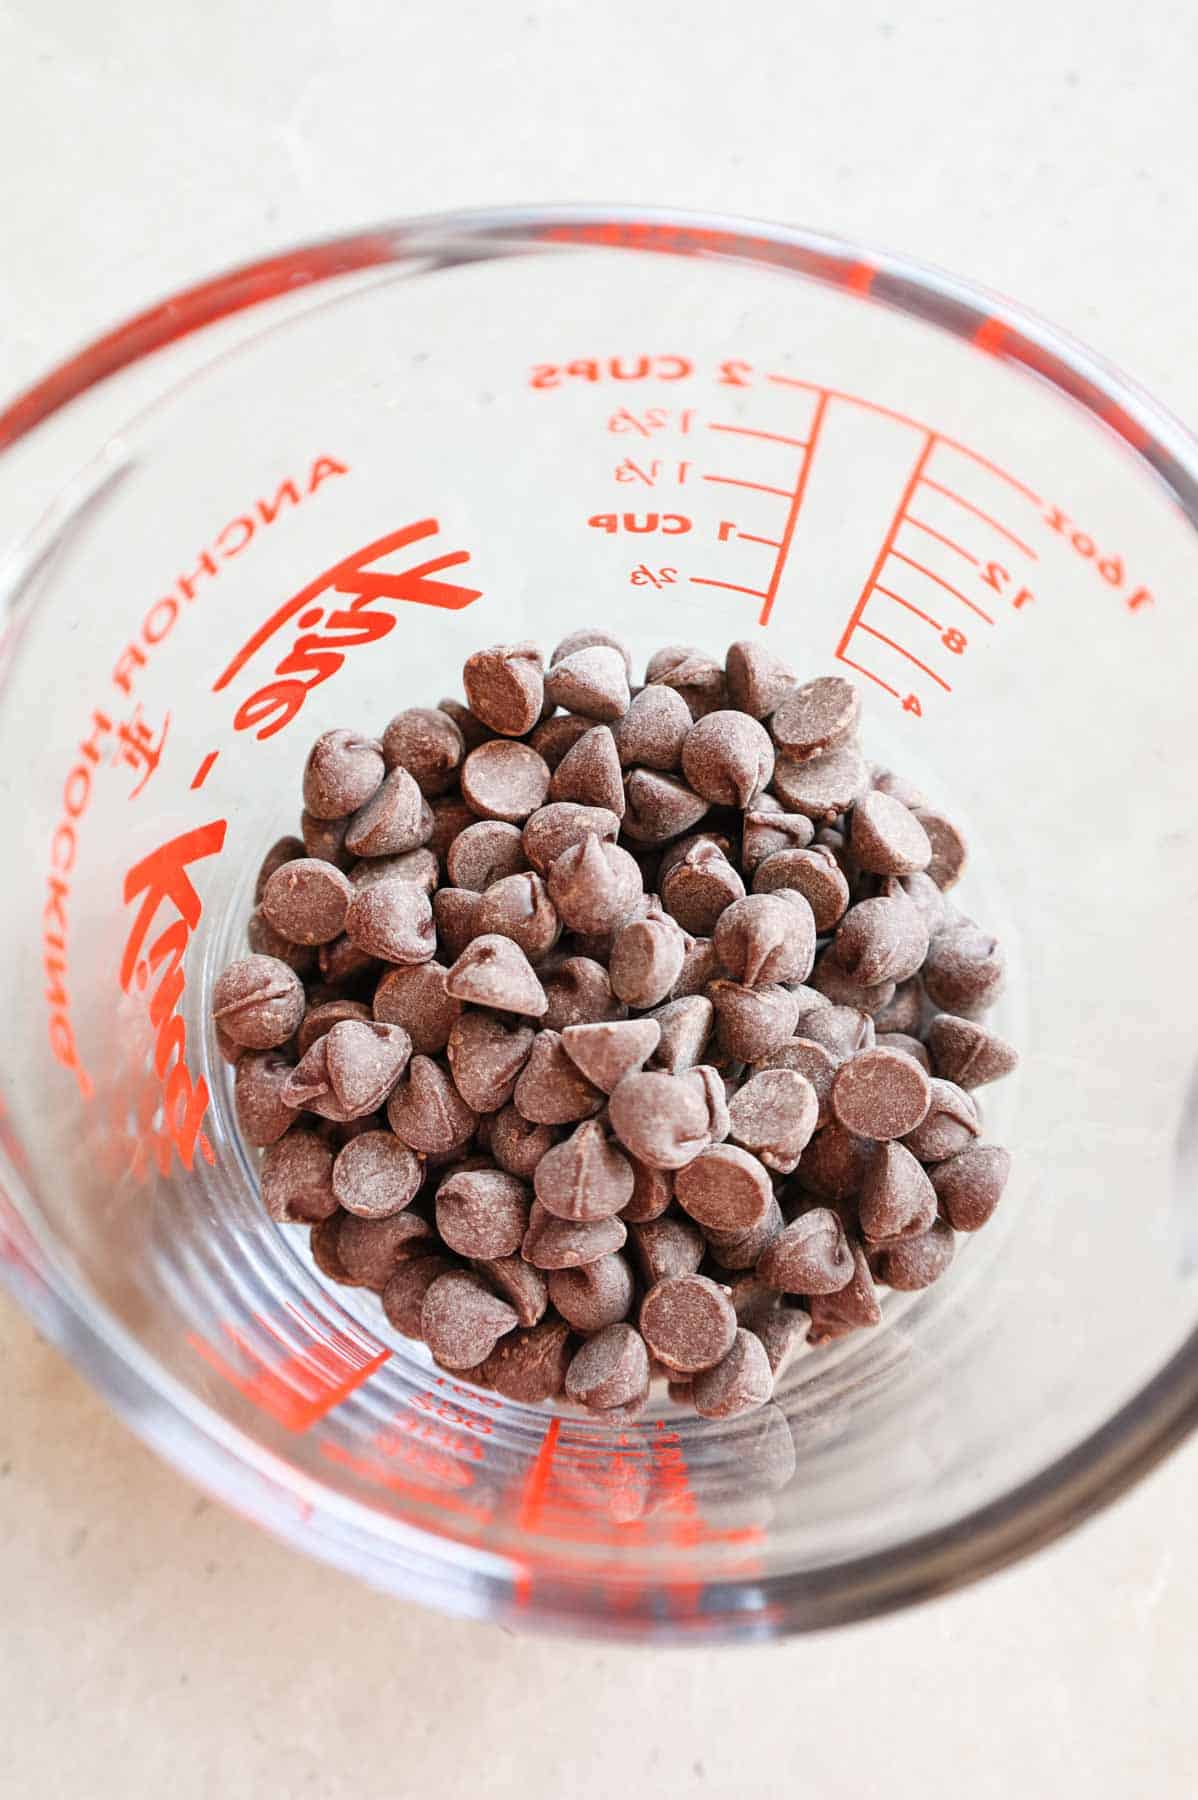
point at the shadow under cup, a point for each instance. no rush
(308, 491)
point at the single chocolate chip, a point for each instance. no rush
(653, 730)
(611, 1369)
(578, 992)
(493, 971)
(724, 1188)
(585, 1177)
(451, 816)
(342, 771)
(752, 1021)
(843, 989)
(505, 780)
(767, 830)
(758, 681)
(594, 886)
(554, 828)
(652, 1192)
(816, 718)
(350, 1070)
(611, 1049)
(516, 1281)
(688, 1323)
(970, 1185)
(881, 940)
(415, 997)
(486, 851)
(886, 838)
(810, 1256)
(519, 907)
(258, 1002)
(421, 867)
(461, 1321)
(297, 1177)
(517, 1144)
(897, 1199)
(530, 1366)
(823, 788)
(915, 1262)
(697, 677)
(964, 970)
(485, 1056)
(950, 1124)
(814, 1062)
(592, 681)
(395, 819)
(505, 687)
(949, 854)
(740, 1382)
(375, 1175)
(881, 1094)
(428, 744)
(849, 1309)
(968, 1054)
(923, 894)
(372, 1249)
(728, 758)
(700, 964)
(766, 939)
(909, 1046)
(473, 731)
(427, 1113)
(284, 850)
(482, 1212)
(842, 1030)
(662, 1119)
(322, 1243)
(835, 1163)
(588, 637)
(903, 1011)
(774, 1114)
(454, 914)
(325, 839)
(553, 1243)
(899, 788)
(403, 1296)
(264, 940)
(262, 1112)
(321, 1018)
(557, 735)
(646, 960)
(593, 1297)
(697, 888)
(741, 1250)
(815, 874)
(551, 1089)
(684, 1028)
(392, 921)
(659, 807)
(589, 773)
(307, 901)
(782, 1334)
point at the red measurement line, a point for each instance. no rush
(959, 548)
(703, 581)
(888, 541)
(951, 494)
(870, 676)
(205, 769)
(532, 1503)
(919, 613)
(758, 487)
(887, 412)
(749, 538)
(792, 515)
(883, 639)
(946, 585)
(771, 437)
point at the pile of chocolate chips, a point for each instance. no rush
(610, 1032)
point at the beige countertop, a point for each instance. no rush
(153, 1643)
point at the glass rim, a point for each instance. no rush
(419, 1565)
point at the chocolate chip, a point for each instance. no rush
(395, 819)
(886, 838)
(950, 1124)
(700, 964)
(653, 730)
(697, 677)
(578, 992)
(350, 1070)
(814, 1062)
(307, 901)
(585, 1177)
(835, 1163)
(968, 1054)
(897, 1199)
(810, 1256)
(688, 1323)
(519, 907)
(341, 964)
(493, 971)
(652, 1192)
(262, 1112)
(426, 742)
(589, 773)
(415, 997)
(486, 1056)
(881, 1094)
(421, 867)
(728, 758)
(741, 1381)
(742, 1250)
(724, 1188)
(849, 1309)
(662, 1119)
(824, 787)
(880, 941)
(557, 735)
(684, 1027)
(403, 1296)
(342, 772)
(258, 1002)
(451, 816)
(482, 1212)
(505, 780)
(473, 731)
(758, 681)
(592, 681)
(764, 939)
(964, 970)
(949, 854)
(782, 1334)
(816, 718)
(970, 1185)
(709, 1085)
(659, 807)
(774, 1114)
(594, 886)
(461, 1321)
(297, 1177)
(264, 940)
(588, 637)
(607, 1051)
(392, 921)
(517, 1144)
(516, 1281)
(842, 1030)
(551, 1089)
(530, 1366)
(427, 1113)
(899, 788)
(553, 829)
(611, 1369)
(923, 894)
(842, 989)
(909, 1046)
(325, 839)
(915, 1262)
(505, 687)
(697, 888)
(752, 1022)
(454, 912)
(283, 850)
(903, 1012)
(767, 830)
(375, 1175)
(553, 1243)
(593, 1297)
(646, 960)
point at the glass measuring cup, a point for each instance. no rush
(496, 426)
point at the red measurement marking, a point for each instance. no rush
(732, 587)
(792, 517)
(870, 676)
(309, 1380)
(985, 517)
(939, 535)
(946, 585)
(883, 639)
(379, 1474)
(532, 1504)
(891, 595)
(887, 544)
(990, 334)
(749, 538)
(205, 769)
(758, 487)
(771, 437)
